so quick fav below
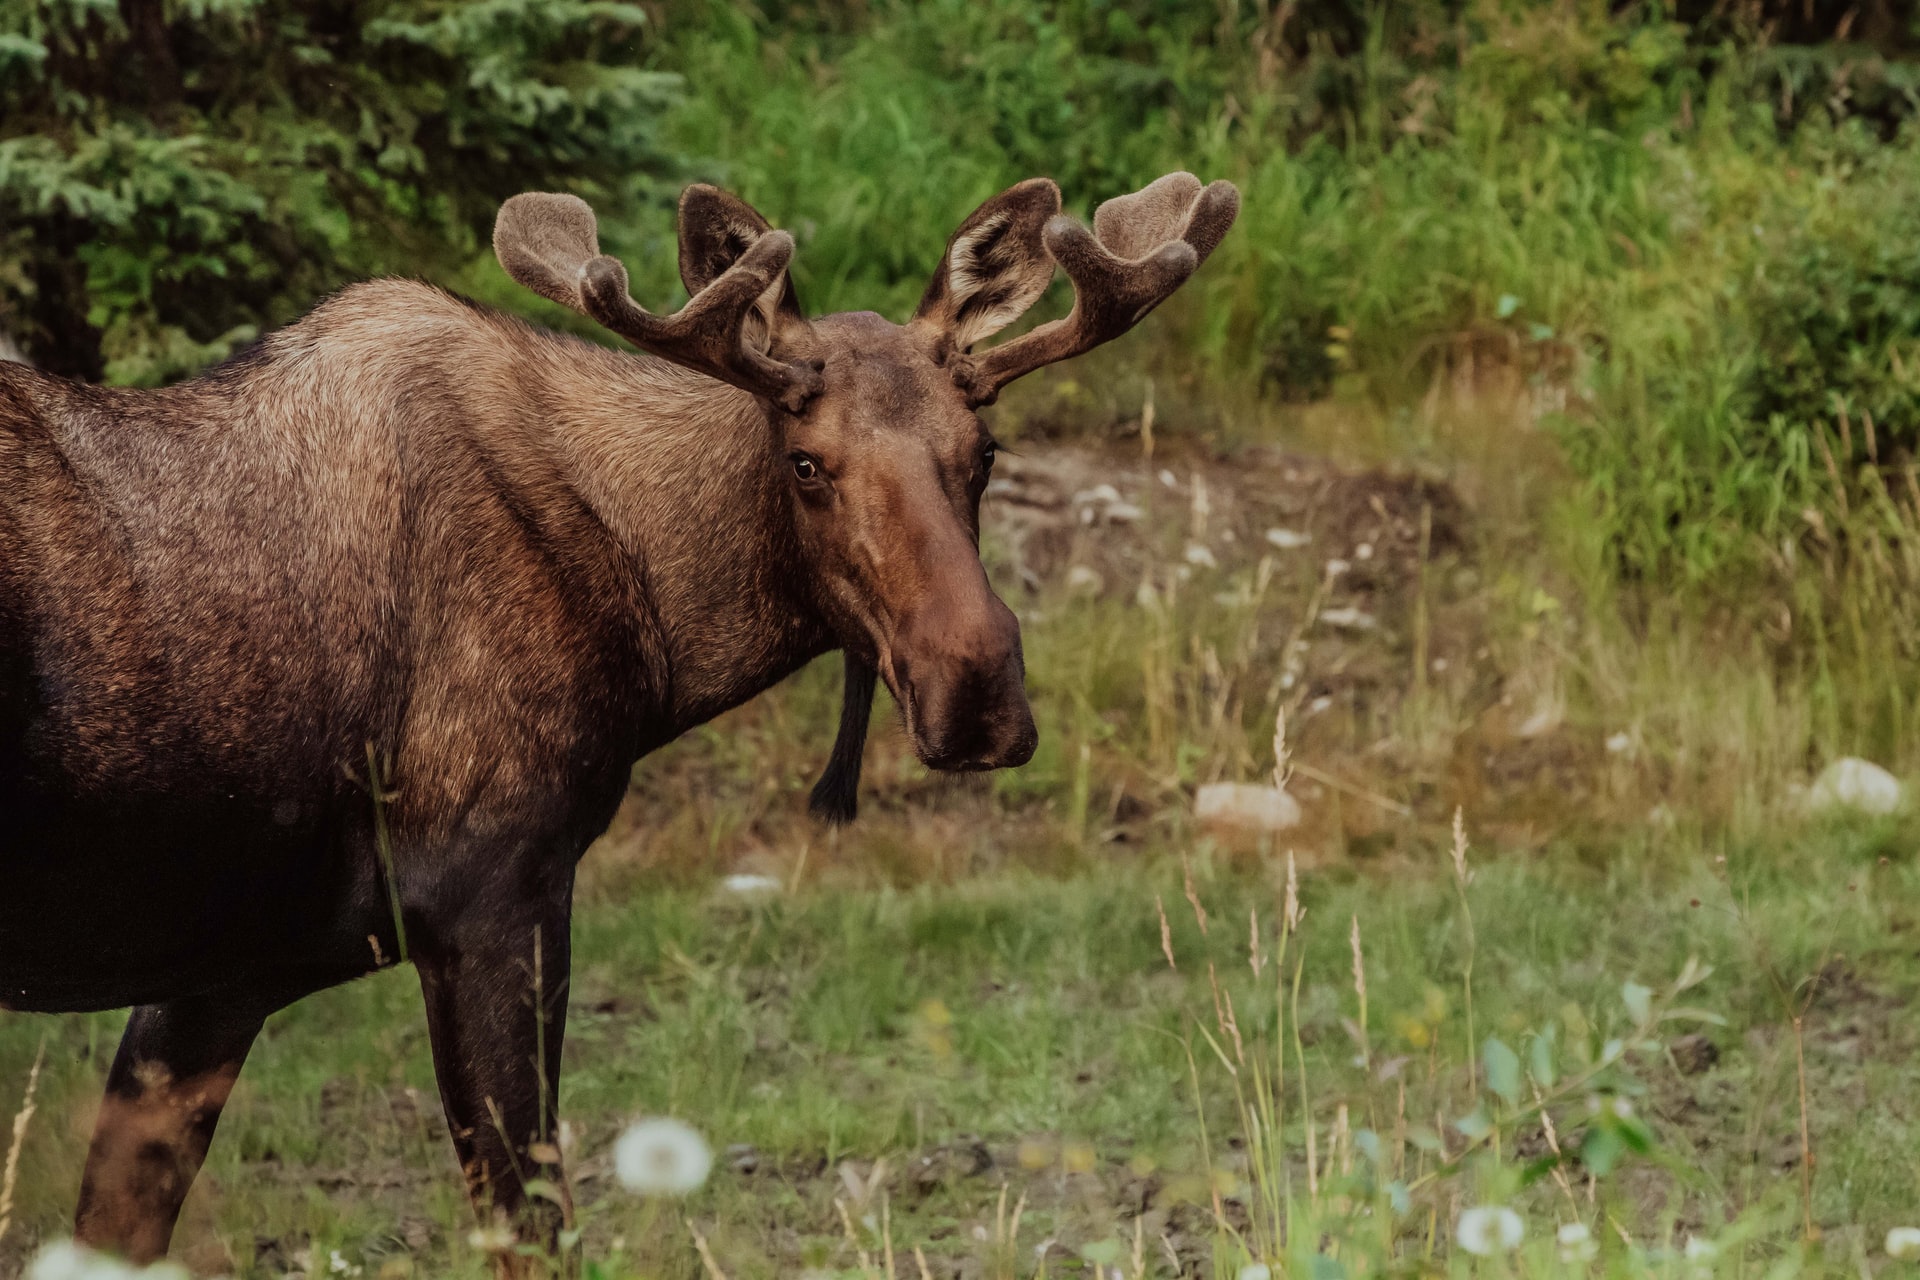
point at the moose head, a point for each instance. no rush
(875, 423)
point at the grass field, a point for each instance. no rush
(959, 1019)
(912, 1051)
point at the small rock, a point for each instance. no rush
(1103, 493)
(1853, 783)
(743, 1157)
(1348, 618)
(1694, 1053)
(1289, 539)
(1085, 579)
(1246, 806)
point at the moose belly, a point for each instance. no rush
(133, 901)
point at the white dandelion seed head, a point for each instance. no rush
(1487, 1230)
(1255, 1271)
(662, 1157)
(69, 1260)
(1903, 1242)
(1576, 1242)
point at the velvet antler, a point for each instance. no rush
(550, 243)
(1141, 248)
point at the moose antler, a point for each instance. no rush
(550, 243)
(1142, 247)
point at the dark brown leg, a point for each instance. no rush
(172, 1075)
(496, 1011)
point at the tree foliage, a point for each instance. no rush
(177, 175)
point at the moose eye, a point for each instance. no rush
(806, 468)
(987, 456)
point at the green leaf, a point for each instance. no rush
(1638, 999)
(1601, 1150)
(1476, 1123)
(1540, 1059)
(1503, 1070)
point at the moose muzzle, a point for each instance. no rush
(957, 672)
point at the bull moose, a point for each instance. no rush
(343, 652)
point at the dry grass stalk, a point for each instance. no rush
(1166, 932)
(1255, 960)
(1293, 912)
(10, 1178)
(1360, 989)
(1193, 896)
(1282, 757)
(706, 1255)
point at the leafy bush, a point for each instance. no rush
(175, 176)
(1836, 315)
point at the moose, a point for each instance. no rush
(342, 653)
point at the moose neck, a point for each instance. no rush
(684, 472)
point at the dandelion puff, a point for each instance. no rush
(1576, 1242)
(1255, 1271)
(661, 1157)
(69, 1260)
(1903, 1242)
(1487, 1230)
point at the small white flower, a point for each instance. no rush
(1488, 1230)
(1619, 743)
(1200, 555)
(751, 886)
(1903, 1242)
(1256, 1271)
(661, 1156)
(1576, 1242)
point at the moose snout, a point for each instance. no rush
(962, 683)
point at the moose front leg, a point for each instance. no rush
(172, 1075)
(496, 1012)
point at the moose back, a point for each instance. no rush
(341, 653)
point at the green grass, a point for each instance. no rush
(1034, 1014)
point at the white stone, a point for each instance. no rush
(1099, 493)
(1246, 806)
(1289, 539)
(1348, 619)
(1086, 579)
(1853, 783)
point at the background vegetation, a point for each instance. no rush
(1541, 447)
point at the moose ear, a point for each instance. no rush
(996, 265)
(716, 230)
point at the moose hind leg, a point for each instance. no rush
(496, 1013)
(172, 1075)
